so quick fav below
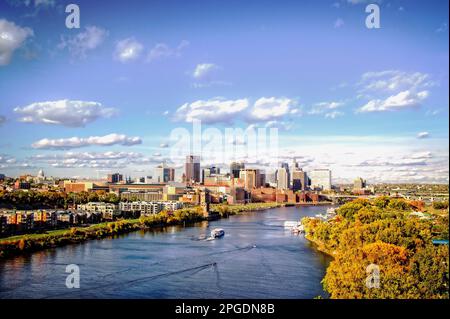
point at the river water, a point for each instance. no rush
(257, 258)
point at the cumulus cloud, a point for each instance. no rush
(70, 113)
(78, 45)
(128, 50)
(423, 135)
(403, 100)
(12, 37)
(7, 159)
(162, 50)
(211, 111)
(204, 70)
(10, 162)
(419, 155)
(75, 142)
(217, 110)
(272, 108)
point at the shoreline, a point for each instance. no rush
(28, 243)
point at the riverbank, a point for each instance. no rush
(320, 246)
(391, 234)
(22, 244)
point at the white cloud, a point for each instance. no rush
(35, 3)
(91, 159)
(212, 110)
(271, 108)
(420, 155)
(226, 111)
(75, 142)
(12, 37)
(338, 23)
(328, 109)
(128, 50)
(204, 70)
(333, 114)
(78, 45)
(10, 162)
(282, 125)
(110, 155)
(423, 135)
(48, 3)
(164, 145)
(400, 101)
(64, 112)
(394, 80)
(162, 50)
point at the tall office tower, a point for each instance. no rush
(271, 178)
(115, 178)
(262, 179)
(286, 167)
(282, 177)
(295, 165)
(359, 184)
(320, 179)
(209, 171)
(164, 174)
(192, 169)
(299, 180)
(251, 178)
(235, 167)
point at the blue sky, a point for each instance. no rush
(369, 102)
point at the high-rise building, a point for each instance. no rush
(262, 179)
(235, 168)
(115, 178)
(359, 184)
(282, 177)
(192, 169)
(320, 179)
(299, 180)
(164, 174)
(286, 167)
(210, 171)
(250, 177)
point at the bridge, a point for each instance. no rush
(341, 198)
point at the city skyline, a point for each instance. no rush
(104, 98)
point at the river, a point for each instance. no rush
(257, 258)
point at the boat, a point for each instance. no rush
(217, 232)
(331, 211)
(290, 223)
(299, 229)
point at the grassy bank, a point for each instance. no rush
(21, 244)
